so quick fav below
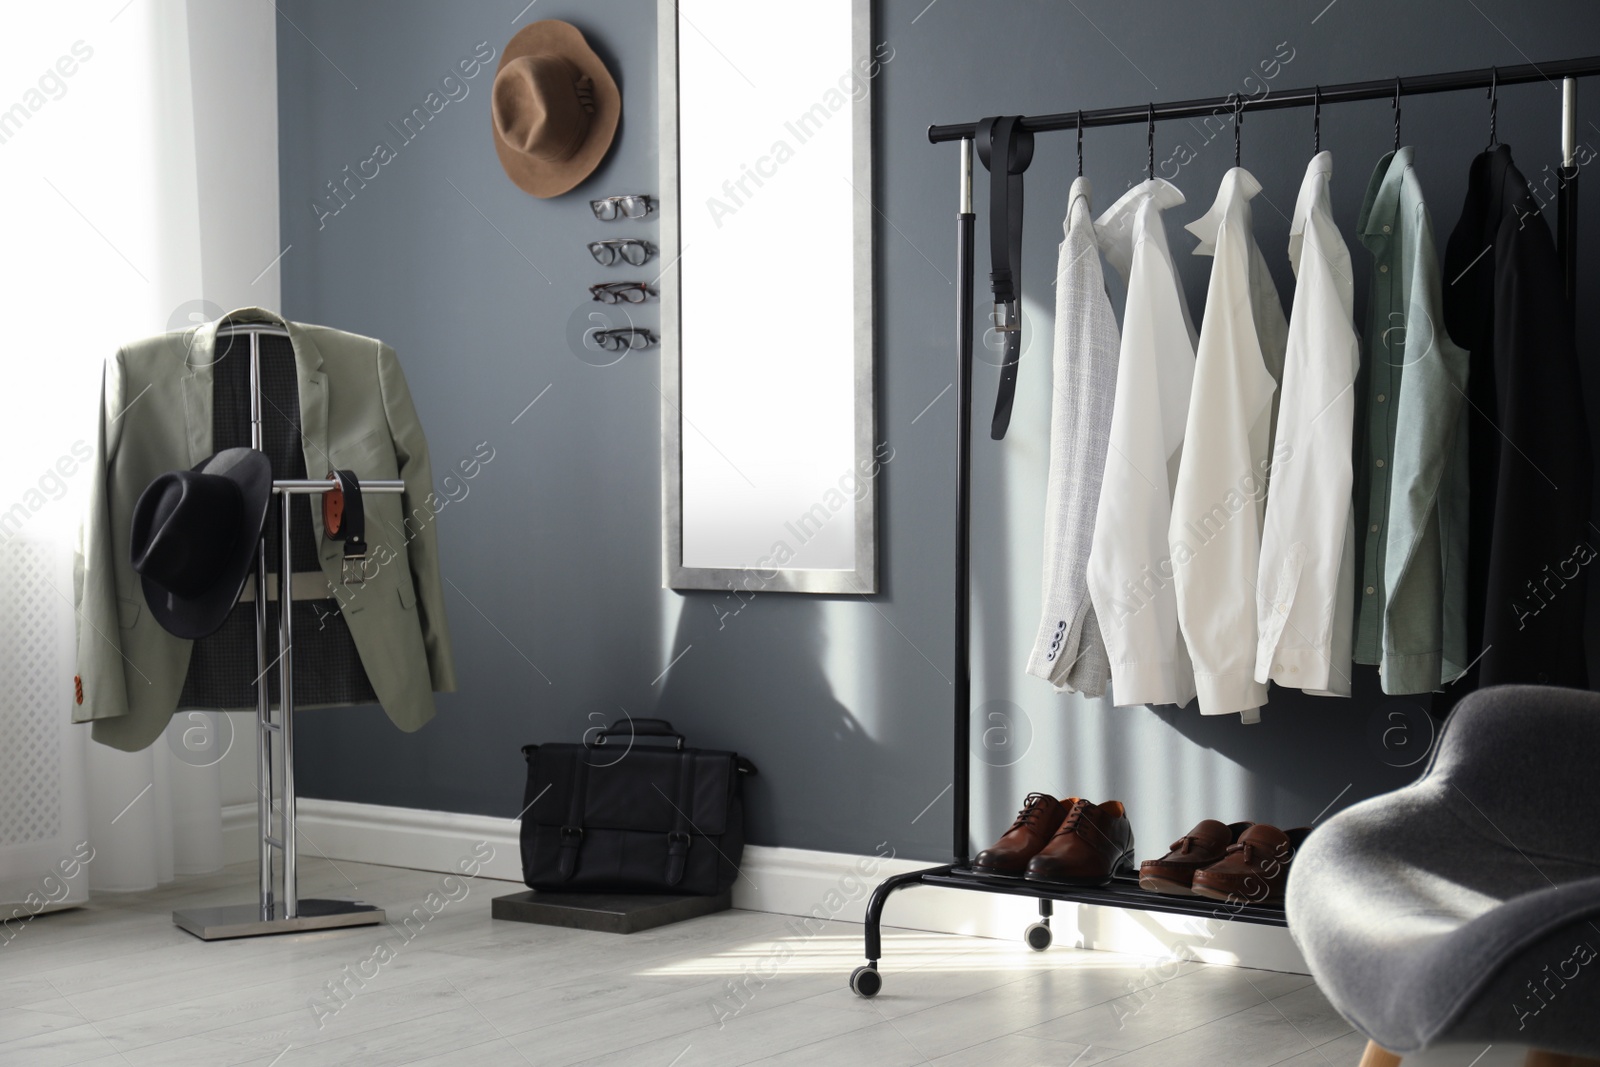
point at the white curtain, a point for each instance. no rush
(138, 163)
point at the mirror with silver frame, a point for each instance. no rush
(769, 460)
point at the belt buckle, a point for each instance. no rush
(352, 569)
(1004, 317)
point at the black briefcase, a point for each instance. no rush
(619, 814)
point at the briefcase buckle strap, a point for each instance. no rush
(571, 839)
(678, 844)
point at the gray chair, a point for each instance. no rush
(1466, 907)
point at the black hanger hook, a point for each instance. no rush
(1397, 114)
(1316, 119)
(1080, 144)
(1150, 143)
(1494, 104)
(1238, 120)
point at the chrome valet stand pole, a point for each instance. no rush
(290, 914)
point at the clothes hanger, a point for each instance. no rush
(1316, 120)
(1080, 143)
(1494, 106)
(1238, 120)
(1397, 114)
(1150, 143)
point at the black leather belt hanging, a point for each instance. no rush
(1005, 149)
(345, 519)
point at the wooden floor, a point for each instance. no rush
(115, 984)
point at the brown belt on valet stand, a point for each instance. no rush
(270, 915)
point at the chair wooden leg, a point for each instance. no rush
(1378, 1056)
(1540, 1058)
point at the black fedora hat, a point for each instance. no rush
(194, 538)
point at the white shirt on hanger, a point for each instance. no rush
(1130, 571)
(1305, 592)
(1068, 650)
(1220, 498)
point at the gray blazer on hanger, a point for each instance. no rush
(356, 414)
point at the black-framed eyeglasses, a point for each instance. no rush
(623, 337)
(628, 250)
(609, 208)
(628, 292)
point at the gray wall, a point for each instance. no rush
(552, 555)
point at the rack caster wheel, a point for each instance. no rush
(1038, 936)
(866, 981)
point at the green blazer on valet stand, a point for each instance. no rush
(356, 414)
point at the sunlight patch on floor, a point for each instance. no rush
(932, 952)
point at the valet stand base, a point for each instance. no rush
(246, 920)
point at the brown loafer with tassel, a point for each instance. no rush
(1173, 873)
(1254, 869)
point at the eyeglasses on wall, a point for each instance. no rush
(621, 292)
(610, 208)
(622, 338)
(627, 250)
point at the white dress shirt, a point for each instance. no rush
(1220, 497)
(1068, 650)
(1305, 592)
(1130, 572)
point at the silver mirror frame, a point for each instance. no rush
(864, 577)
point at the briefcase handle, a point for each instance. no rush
(638, 728)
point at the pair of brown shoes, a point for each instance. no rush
(1243, 862)
(1069, 842)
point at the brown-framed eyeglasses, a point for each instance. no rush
(623, 337)
(621, 292)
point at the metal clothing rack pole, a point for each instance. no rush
(963, 681)
(1279, 99)
(1124, 892)
(1567, 192)
(270, 915)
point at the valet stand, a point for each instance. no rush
(271, 914)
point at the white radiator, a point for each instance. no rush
(43, 823)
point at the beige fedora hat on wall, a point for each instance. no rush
(555, 108)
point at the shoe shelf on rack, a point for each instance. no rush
(1122, 892)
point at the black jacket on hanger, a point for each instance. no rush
(1529, 541)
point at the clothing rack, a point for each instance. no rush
(290, 914)
(1123, 892)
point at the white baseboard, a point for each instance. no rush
(786, 881)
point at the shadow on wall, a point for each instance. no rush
(1366, 744)
(813, 746)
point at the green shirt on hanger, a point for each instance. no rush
(1411, 455)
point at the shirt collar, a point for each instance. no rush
(1381, 205)
(1312, 189)
(1238, 187)
(1114, 228)
(1505, 183)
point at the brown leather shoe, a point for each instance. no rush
(1255, 869)
(1041, 814)
(1201, 847)
(1092, 843)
